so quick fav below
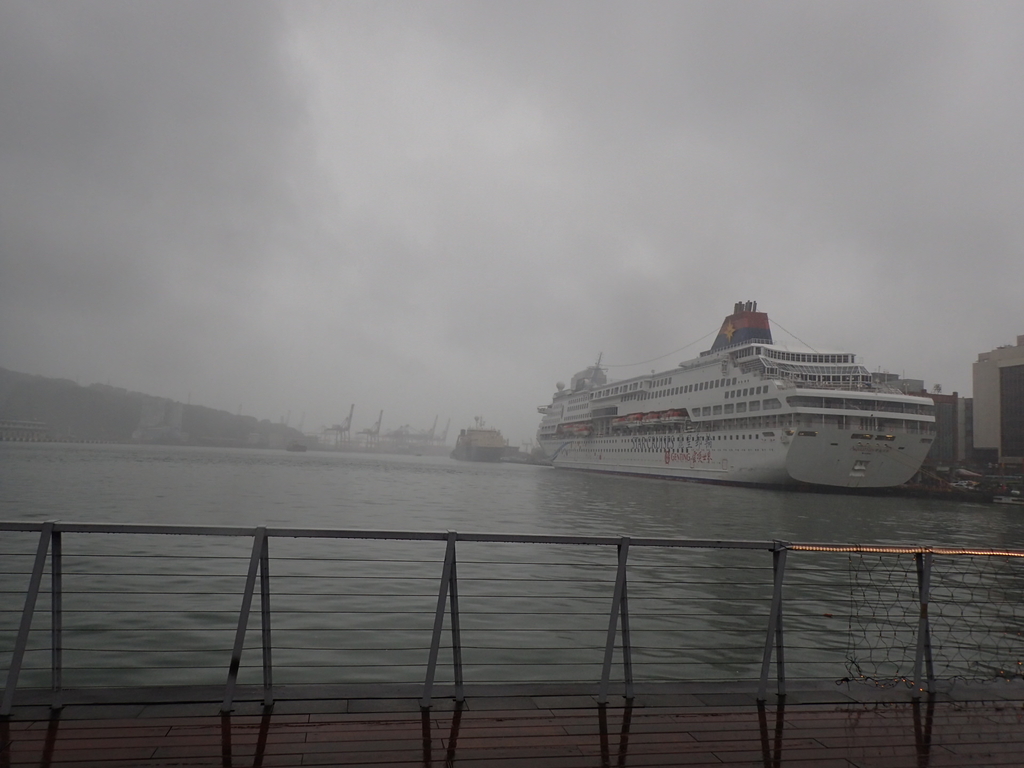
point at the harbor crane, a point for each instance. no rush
(344, 429)
(340, 433)
(373, 433)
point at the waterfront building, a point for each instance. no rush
(23, 431)
(999, 405)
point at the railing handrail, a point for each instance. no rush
(480, 537)
(386, 535)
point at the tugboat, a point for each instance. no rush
(479, 443)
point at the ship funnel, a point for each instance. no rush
(743, 325)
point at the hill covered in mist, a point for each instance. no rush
(99, 412)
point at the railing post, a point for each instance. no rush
(618, 608)
(21, 642)
(56, 621)
(258, 549)
(773, 637)
(923, 561)
(447, 573)
(627, 647)
(268, 670)
(453, 608)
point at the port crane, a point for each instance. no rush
(340, 433)
(373, 433)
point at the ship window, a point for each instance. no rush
(745, 392)
(729, 407)
(755, 405)
(717, 411)
(741, 407)
(771, 404)
(706, 411)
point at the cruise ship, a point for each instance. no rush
(746, 412)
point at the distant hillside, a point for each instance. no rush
(105, 413)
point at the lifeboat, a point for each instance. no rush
(675, 416)
(619, 423)
(651, 418)
(577, 430)
(633, 420)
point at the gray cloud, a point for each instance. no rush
(446, 207)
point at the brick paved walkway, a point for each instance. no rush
(514, 732)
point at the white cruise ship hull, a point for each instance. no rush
(830, 458)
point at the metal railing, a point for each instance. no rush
(695, 605)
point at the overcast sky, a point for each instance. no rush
(442, 209)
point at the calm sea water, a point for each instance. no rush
(148, 611)
(148, 484)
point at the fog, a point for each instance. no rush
(441, 209)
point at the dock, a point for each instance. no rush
(723, 725)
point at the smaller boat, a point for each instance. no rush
(296, 446)
(1013, 498)
(479, 443)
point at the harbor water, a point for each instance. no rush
(215, 486)
(377, 580)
